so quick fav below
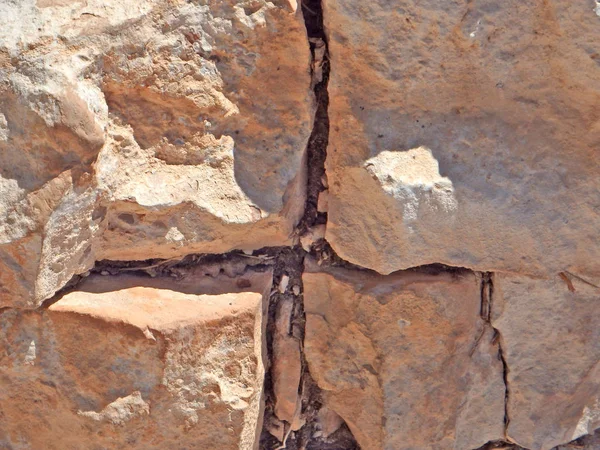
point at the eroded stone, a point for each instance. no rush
(405, 360)
(137, 367)
(551, 342)
(503, 95)
(167, 123)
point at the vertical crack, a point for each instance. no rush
(302, 431)
(286, 288)
(316, 150)
(487, 298)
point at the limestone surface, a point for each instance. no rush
(464, 133)
(146, 130)
(406, 360)
(139, 367)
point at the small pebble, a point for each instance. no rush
(283, 284)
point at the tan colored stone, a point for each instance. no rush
(464, 133)
(287, 361)
(165, 125)
(138, 367)
(551, 343)
(405, 359)
(329, 421)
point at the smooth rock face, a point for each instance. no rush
(405, 359)
(464, 133)
(139, 367)
(551, 342)
(146, 131)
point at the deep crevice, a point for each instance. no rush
(230, 264)
(497, 445)
(316, 150)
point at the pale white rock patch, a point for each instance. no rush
(120, 411)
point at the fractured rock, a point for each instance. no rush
(464, 133)
(287, 360)
(550, 338)
(405, 360)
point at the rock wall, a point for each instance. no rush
(325, 224)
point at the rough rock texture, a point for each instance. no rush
(406, 360)
(153, 129)
(135, 367)
(464, 133)
(299, 225)
(551, 342)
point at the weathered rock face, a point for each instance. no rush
(155, 130)
(300, 225)
(464, 133)
(551, 342)
(136, 367)
(404, 353)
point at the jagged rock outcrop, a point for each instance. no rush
(150, 130)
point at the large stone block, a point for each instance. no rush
(551, 342)
(405, 360)
(131, 363)
(164, 125)
(465, 133)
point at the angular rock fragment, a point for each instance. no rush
(134, 367)
(464, 133)
(405, 359)
(551, 343)
(149, 130)
(287, 361)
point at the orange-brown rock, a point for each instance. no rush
(148, 130)
(464, 133)
(406, 360)
(551, 342)
(135, 367)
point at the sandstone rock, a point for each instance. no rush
(405, 359)
(551, 343)
(136, 367)
(464, 133)
(45, 239)
(165, 126)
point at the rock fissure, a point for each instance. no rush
(171, 156)
(487, 302)
(316, 149)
